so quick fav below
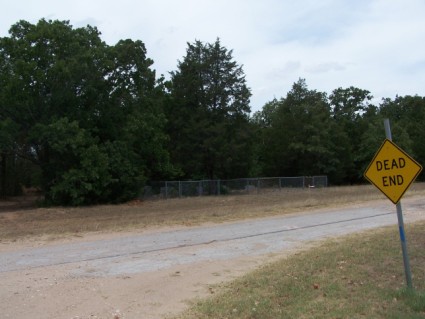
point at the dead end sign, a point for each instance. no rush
(392, 171)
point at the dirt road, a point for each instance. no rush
(153, 274)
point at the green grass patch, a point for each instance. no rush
(360, 276)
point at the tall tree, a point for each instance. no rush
(209, 114)
(349, 108)
(407, 115)
(299, 140)
(10, 178)
(262, 122)
(88, 114)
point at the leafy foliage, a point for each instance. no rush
(407, 115)
(90, 123)
(298, 139)
(209, 116)
(85, 112)
(308, 133)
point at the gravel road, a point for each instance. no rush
(203, 255)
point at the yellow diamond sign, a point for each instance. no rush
(392, 171)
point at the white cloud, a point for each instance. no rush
(372, 44)
(325, 67)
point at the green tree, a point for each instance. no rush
(407, 115)
(299, 140)
(10, 177)
(208, 114)
(351, 112)
(262, 123)
(102, 102)
(370, 141)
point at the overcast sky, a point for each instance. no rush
(378, 45)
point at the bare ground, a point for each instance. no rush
(51, 292)
(21, 219)
(56, 292)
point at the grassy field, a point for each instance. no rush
(19, 218)
(360, 276)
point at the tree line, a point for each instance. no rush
(90, 123)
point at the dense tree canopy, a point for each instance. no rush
(88, 122)
(309, 133)
(209, 118)
(85, 113)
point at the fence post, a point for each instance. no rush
(180, 189)
(166, 190)
(218, 187)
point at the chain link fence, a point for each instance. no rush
(174, 189)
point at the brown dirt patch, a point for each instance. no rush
(21, 219)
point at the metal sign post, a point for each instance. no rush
(406, 261)
(392, 171)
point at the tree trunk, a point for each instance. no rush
(3, 174)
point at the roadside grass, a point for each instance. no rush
(358, 276)
(57, 222)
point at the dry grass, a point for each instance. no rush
(360, 276)
(30, 221)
